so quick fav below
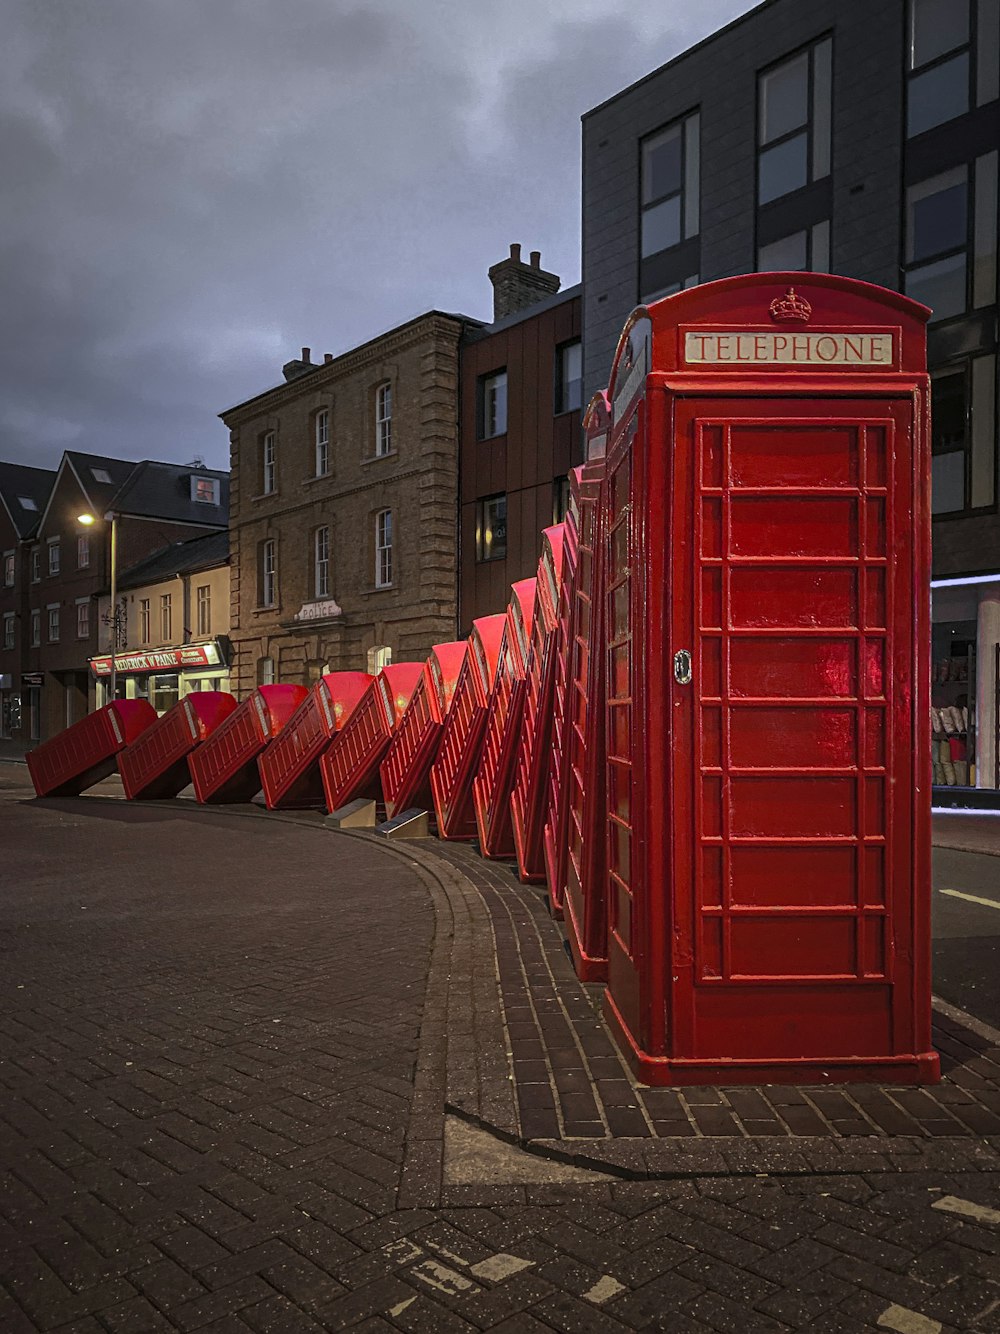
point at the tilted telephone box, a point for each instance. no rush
(350, 767)
(224, 768)
(87, 751)
(461, 745)
(406, 768)
(534, 755)
(289, 768)
(584, 487)
(767, 553)
(155, 766)
(492, 784)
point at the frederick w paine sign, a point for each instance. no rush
(767, 348)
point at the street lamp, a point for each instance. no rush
(88, 520)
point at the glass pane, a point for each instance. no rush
(940, 94)
(947, 412)
(692, 175)
(988, 52)
(984, 388)
(784, 98)
(661, 226)
(947, 483)
(783, 168)
(822, 83)
(937, 26)
(984, 275)
(661, 166)
(788, 253)
(940, 286)
(937, 210)
(821, 248)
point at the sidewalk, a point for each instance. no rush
(257, 1075)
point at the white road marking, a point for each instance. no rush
(971, 898)
(442, 1278)
(495, 1268)
(603, 1290)
(398, 1310)
(905, 1321)
(969, 1021)
(979, 1212)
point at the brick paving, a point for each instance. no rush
(229, 1047)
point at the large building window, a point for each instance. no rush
(808, 249)
(939, 61)
(321, 563)
(8, 629)
(53, 555)
(322, 432)
(670, 186)
(963, 437)
(793, 122)
(569, 376)
(82, 552)
(36, 564)
(383, 549)
(8, 569)
(383, 419)
(203, 606)
(491, 405)
(145, 621)
(166, 617)
(36, 628)
(265, 671)
(560, 498)
(268, 463)
(83, 618)
(53, 611)
(267, 573)
(937, 236)
(491, 528)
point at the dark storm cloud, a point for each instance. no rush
(195, 188)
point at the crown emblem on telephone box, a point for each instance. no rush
(791, 306)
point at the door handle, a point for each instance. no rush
(682, 667)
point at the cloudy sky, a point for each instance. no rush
(195, 189)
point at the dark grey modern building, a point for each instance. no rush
(859, 138)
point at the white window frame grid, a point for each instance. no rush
(268, 572)
(36, 565)
(492, 384)
(8, 630)
(82, 552)
(145, 621)
(8, 569)
(383, 419)
(269, 456)
(383, 549)
(208, 485)
(53, 621)
(55, 557)
(203, 609)
(36, 627)
(166, 617)
(321, 562)
(322, 439)
(83, 618)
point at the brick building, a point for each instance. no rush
(67, 568)
(520, 429)
(859, 139)
(23, 495)
(343, 524)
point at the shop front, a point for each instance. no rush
(164, 675)
(965, 691)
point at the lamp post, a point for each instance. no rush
(88, 520)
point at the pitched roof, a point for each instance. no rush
(24, 493)
(525, 313)
(200, 553)
(163, 491)
(99, 476)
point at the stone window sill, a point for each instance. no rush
(379, 458)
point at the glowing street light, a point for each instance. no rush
(88, 520)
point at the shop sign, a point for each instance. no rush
(317, 611)
(159, 660)
(32, 678)
(801, 349)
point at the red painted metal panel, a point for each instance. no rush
(767, 549)
(462, 740)
(83, 754)
(289, 767)
(350, 767)
(531, 773)
(492, 785)
(224, 768)
(406, 769)
(155, 766)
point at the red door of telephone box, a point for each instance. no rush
(768, 550)
(86, 752)
(584, 487)
(155, 766)
(289, 767)
(531, 770)
(224, 768)
(350, 767)
(502, 737)
(406, 768)
(462, 739)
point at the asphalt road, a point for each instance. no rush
(966, 931)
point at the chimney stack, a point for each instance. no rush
(517, 285)
(293, 369)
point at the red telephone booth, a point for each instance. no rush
(768, 814)
(350, 767)
(502, 737)
(585, 899)
(462, 739)
(531, 772)
(584, 485)
(155, 766)
(224, 768)
(406, 768)
(289, 767)
(86, 752)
